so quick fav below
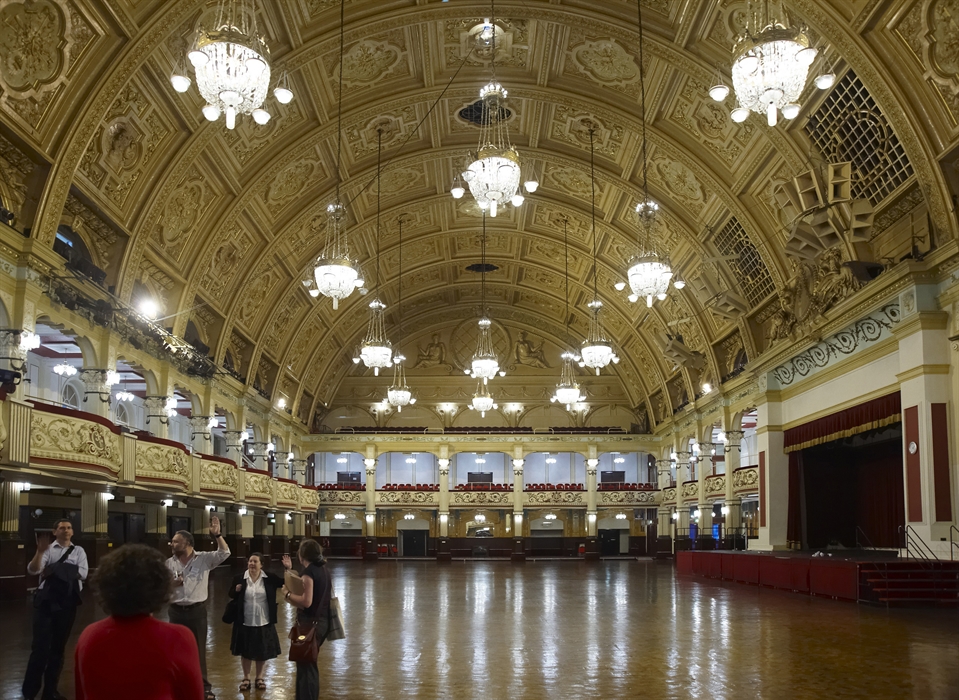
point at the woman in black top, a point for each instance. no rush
(314, 604)
(254, 629)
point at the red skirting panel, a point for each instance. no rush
(834, 579)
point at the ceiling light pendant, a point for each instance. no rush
(485, 363)
(399, 394)
(771, 64)
(493, 176)
(567, 391)
(482, 401)
(65, 369)
(596, 351)
(335, 273)
(231, 61)
(648, 272)
(376, 351)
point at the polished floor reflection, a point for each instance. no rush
(616, 629)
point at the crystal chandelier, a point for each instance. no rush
(65, 369)
(232, 66)
(399, 394)
(597, 351)
(485, 364)
(771, 63)
(335, 273)
(376, 351)
(482, 401)
(493, 176)
(567, 391)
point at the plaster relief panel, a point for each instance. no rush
(361, 137)
(461, 40)
(289, 183)
(931, 30)
(126, 145)
(573, 181)
(15, 171)
(191, 199)
(249, 139)
(709, 123)
(262, 282)
(300, 349)
(602, 60)
(572, 126)
(370, 61)
(221, 267)
(107, 245)
(680, 182)
(41, 42)
(161, 285)
(282, 322)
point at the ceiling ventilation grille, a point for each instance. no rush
(749, 267)
(848, 126)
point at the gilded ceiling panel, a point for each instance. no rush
(190, 204)
(42, 43)
(461, 42)
(219, 270)
(708, 122)
(259, 288)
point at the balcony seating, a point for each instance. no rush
(480, 430)
(410, 487)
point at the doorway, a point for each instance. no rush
(609, 543)
(413, 543)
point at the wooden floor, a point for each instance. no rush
(559, 629)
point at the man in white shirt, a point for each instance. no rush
(62, 567)
(191, 578)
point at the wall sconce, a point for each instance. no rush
(675, 516)
(449, 408)
(725, 510)
(210, 507)
(241, 510)
(168, 502)
(281, 403)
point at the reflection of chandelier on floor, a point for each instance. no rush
(335, 273)
(493, 176)
(597, 351)
(232, 66)
(771, 63)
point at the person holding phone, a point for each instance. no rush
(191, 579)
(63, 568)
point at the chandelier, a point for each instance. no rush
(375, 350)
(399, 394)
(232, 66)
(64, 369)
(482, 401)
(493, 176)
(596, 352)
(567, 391)
(771, 63)
(485, 364)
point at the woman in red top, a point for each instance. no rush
(130, 654)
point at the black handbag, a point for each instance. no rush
(232, 609)
(60, 588)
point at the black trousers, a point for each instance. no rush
(194, 619)
(51, 630)
(308, 675)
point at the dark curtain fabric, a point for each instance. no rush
(881, 504)
(794, 528)
(877, 413)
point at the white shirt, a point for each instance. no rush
(255, 612)
(195, 575)
(52, 556)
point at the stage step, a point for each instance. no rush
(910, 582)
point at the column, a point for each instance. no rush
(592, 469)
(664, 529)
(232, 524)
(260, 457)
(298, 470)
(13, 357)
(93, 525)
(96, 392)
(371, 551)
(519, 541)
(157, 416)
(732, 507)
(202, 438)
(260, 541)
(442, 542)
(13, 560)
(704, 523)
(773, 472)
(156, 534)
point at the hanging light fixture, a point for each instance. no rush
(771, 64)
(485, 364)
(335, 273)
(232, 65)
(493, 176)
(482, 401)
(65, 369)
(597, 351)
(567, 391)
(376, 351)
(648, 273)
(399, 394)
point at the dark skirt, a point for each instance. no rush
(257, 643)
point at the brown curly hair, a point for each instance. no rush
(133, 580)
(311, 551)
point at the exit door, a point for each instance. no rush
(413, 543)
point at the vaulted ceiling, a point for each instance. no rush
(222, 226)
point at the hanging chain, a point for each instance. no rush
(592, 185)
(339, 111)
(483, 261)
(566, 246)
(379, 189)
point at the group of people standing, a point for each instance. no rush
(132, 654)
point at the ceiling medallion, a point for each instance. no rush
(771, 63)
(232, 66)
(493, 176)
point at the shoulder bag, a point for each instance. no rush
(336, 630)
(55, 591)
(303, 644)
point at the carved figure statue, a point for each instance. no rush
(526, 353)
(433, 355)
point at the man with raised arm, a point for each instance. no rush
(63, 568)
(191, 578)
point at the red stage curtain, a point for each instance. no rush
(877, 413)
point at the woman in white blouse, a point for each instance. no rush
(254, 630)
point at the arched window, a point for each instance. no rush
(70, 396)
(122, 414)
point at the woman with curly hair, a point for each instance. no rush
(130, 654)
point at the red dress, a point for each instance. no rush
(137, 657)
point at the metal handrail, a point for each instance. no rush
(915, 546)
(859, 545)
(952, 543)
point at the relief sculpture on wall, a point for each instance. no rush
(528, 353)
(433, 355)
